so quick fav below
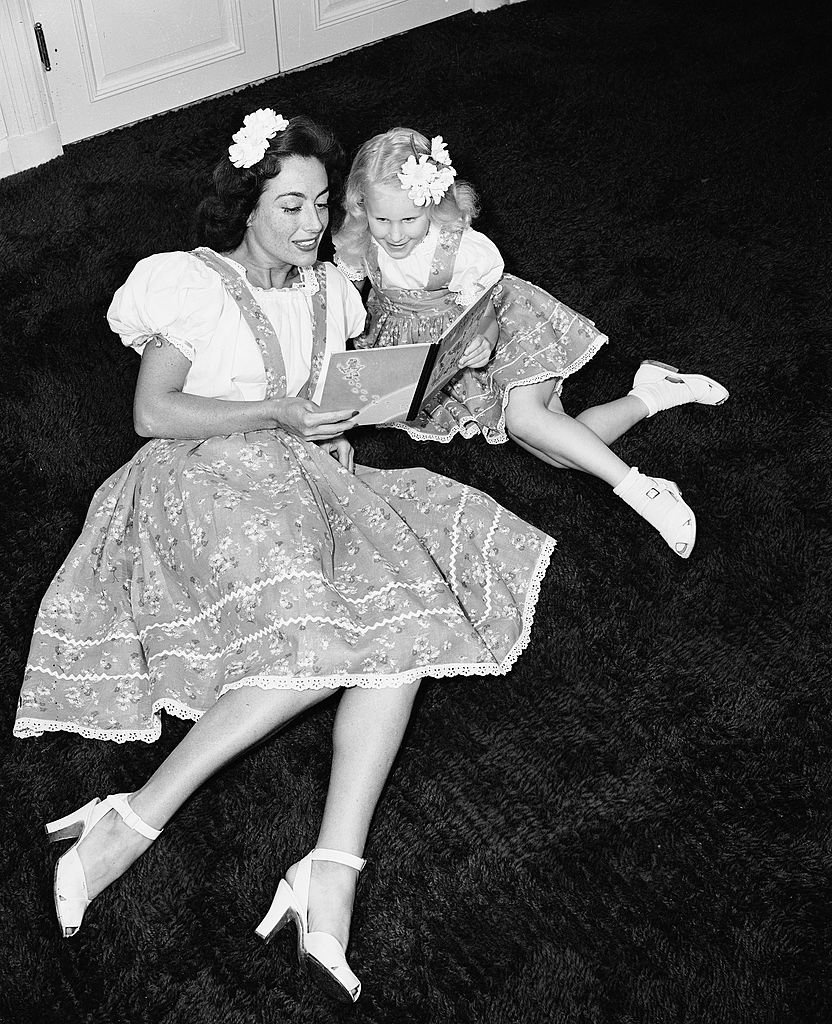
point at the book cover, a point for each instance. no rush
(394, 383)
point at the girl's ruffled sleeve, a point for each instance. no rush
(171, 296)
(353, 273)
(478, 266)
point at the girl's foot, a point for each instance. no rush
(661, 387)
(660, 503)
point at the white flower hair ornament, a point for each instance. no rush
(427, 177)
(252, 140)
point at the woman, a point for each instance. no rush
(240, 568)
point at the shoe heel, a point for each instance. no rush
(282, 910)
(662, 366)
(71, 825)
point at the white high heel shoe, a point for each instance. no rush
(71, 898)
(318, 950)
(661, 387)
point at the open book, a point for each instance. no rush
(394, 383)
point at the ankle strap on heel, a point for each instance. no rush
(348, 859)
(119, 803)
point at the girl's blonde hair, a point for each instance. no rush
(378, 162)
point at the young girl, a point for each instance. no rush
(408, 229)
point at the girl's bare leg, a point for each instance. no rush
(239, 719)
(368, 731)
(536, 421)
(612, 419)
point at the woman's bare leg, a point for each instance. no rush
(368, 731)
(239, 719)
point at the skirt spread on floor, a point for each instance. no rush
(539, 339)
(256, 559)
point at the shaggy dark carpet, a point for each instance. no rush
(633, 826)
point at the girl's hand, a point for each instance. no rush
(304, 419)
(340, 448)
(477, 353)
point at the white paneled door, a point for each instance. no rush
(311, 30)
(117, 61)
(113, 62)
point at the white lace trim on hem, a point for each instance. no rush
(29, 728)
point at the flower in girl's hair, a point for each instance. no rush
(427, 178)
(252, 140)
(439, 151)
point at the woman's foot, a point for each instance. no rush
(108, 851)
(660, 503)
(331, 898)
(661, 387)
(318, 898)
(109, 837)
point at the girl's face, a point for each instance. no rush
(395, 221)
(291, 214)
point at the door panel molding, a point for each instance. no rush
(334, 12)
(115, 62)
(106, 76)
(309, 31)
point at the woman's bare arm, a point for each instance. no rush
(161, 409)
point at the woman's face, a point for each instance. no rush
(291, 214)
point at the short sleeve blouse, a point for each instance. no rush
(478, 265)
(176, 296)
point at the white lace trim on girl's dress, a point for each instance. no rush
(583, 359)
(27, 728)
(467, 297)
(469, 427)
(350, 273)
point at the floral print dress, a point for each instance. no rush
(539, 337)
(257, 560)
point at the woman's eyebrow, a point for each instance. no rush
(301, 195)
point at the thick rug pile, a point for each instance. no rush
(632, 827)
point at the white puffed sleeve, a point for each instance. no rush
(478, 266)
(345, 310)
(173, 295)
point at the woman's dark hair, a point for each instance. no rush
(220, 220)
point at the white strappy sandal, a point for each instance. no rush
(71, 899)
(320, 951)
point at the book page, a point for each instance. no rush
(453, 343)
(384, 383)
(378, 382)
